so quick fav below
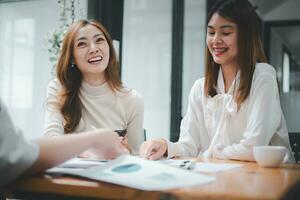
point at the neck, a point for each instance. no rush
(229, 72)
(95, 79)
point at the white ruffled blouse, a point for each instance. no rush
(215, 127)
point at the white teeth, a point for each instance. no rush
(220, 50)
(95, 59)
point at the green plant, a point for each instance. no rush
(55, 37)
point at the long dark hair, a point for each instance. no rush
(250, 49)
(71, 77)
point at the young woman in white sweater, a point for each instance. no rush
(88, 93)
(236, 105)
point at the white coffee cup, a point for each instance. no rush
(270, 156)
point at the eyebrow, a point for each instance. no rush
(222, 27)
(84, 38)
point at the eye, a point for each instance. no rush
(226, 33)
(81, 44)
(210, 33)
(100, 39)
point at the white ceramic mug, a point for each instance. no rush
(270, 156)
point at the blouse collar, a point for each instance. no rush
(221, 85)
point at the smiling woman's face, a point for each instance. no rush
(221, 40)
(91, 51)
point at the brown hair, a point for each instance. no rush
(71, 77)
(249, 50)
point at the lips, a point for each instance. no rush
(95, 59)
(219, 51)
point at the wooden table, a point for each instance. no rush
(247, 182)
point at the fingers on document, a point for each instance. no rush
(158, 153)
(151, 150)
(146, 149)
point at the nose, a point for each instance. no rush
(93, 48)
(216, 39)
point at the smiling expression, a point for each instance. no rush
(221, 40)
(91, 52)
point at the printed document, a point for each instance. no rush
(135, 172)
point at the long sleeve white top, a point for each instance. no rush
(16, 153)
(215, 127)
(101, 108)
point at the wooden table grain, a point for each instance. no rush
(247, 182)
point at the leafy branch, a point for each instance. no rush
(55, 37)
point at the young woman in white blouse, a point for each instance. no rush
(88, 93)
(236, 105)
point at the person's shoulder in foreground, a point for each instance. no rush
(16, 153)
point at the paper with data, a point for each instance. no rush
(139, 173)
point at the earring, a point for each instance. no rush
(73, 65)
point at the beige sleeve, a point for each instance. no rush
(135, 122)
(53, 117)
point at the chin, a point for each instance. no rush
(218, 61)
(99, 68)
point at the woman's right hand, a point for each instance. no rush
(153, 149)
(108, 144)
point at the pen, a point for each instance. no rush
(120, 132)
(187, 164)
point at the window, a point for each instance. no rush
(146, 57)
(25, 69)
(193, 47)
(286, 72)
